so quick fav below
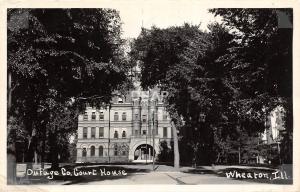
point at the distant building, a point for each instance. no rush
(125, 130)
(274, 126)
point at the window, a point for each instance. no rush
(116, 135)
(101, 131)
(85, 116)
(144, 132)
(100, 151)
(124, 116)
(136, 116)
(116, 150)
(93, 116)
(136, 132)
(144, 118)
(84, 152)
(116, 116)
(101, 116)
(92, 151)
(85, 132)
(165, 132)
(124, 150)
(165, 116)
(124, 134)
(93, 132)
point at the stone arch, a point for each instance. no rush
(144, 152)
(92, 144)
(84, 146)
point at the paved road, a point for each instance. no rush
(169, 178)
(162, 175)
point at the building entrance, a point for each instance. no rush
(144, 152)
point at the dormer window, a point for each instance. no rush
(101, 116)
(120, 100)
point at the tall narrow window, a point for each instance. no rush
(93, 132)
(84, 152)
(124, 116)
(124, 134)
(144, 118)
(116, 150)
(92, 151)
(93, 116)
(101, 132)
(136, 116)
(85, 116)
(116, 135)
(165, 132)
(116, 116)
(101, 116)
(124, 150)
(100, 151)
(84, 132)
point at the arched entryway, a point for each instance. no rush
(144, 152)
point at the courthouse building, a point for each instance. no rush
(130, 129)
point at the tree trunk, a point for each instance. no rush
(239, 155)
(43, 148)
(176, 148)
(54, 149)
(11, 149)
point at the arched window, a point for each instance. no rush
(84, 152)
(100, 151)
(116, 135)
(116, 116)
(116, 150)
(92, 151)
(124, 134)
(124, 116)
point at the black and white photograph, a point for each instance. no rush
(117, 96)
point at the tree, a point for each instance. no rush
(165, 65)
(264, 77)
(59, 55)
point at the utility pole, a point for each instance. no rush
(155, 123)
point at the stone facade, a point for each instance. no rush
(127, 130)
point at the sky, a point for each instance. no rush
(134, 18)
